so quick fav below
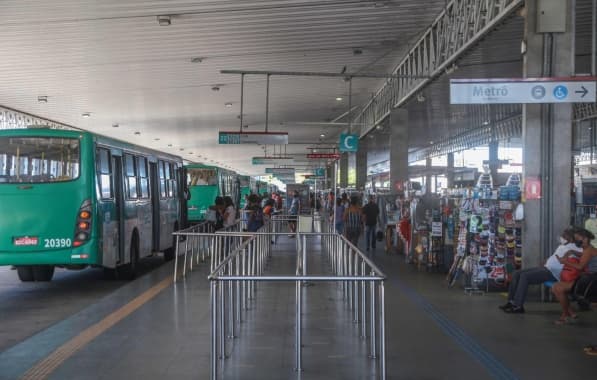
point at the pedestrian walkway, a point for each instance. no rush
(432, 332)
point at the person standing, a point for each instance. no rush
(293, 212)
(371, 213)
(353, 221)
(229, 212)
(339, 217)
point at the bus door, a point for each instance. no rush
(155, 204)
(184, 196)
(119, 205)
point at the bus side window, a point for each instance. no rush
(172, 182)
(104, 170)
(131, 176)
(162, 174)
(143, 180)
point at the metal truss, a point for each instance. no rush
(585, 111)
(12, 119)
(494, 124)
(457, 28)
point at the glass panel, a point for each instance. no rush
(142, 165)
(144, 186)
(106, 186)
(38, 159)
(104, 161)
(132, 187)
(129, 163)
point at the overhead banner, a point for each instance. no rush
(348, 143)
(524, 90)
(262, 138)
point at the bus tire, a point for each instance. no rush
(170, 252)
(43, 272)
(25, 273)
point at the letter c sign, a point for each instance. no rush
(348, 143)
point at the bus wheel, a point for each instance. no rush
(43, 272)
(129, 271)
(25, 273)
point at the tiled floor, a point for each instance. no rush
(432, 333)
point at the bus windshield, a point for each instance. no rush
(201, 177)
(38, 159)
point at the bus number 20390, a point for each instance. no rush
(57, 243)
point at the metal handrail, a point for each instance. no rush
(244, 267)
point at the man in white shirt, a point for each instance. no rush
(517, 291)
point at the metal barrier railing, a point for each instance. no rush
(350, 267)
(201, 242)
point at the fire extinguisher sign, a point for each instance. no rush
(532, 188)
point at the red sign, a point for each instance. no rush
(532, 188)
(333, 156)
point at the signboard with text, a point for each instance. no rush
(272, 160)
(321, 156)
(263, 138)
(348, 143)
(524, 90)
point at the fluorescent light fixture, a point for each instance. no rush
(164, 20)
(42, 99)
(86, 114)
(115, 125)
(197, 59)
(339, 99)
(322, 135)
(228, 105)
(137, 133)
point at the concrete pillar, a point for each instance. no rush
(362, 164)
(398, 146)
(450, 170)
(494, 159)
(428, 176)
(343, 168)
(547, 137)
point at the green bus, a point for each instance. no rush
(205, 183)
(74, 199)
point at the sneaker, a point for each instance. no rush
(507, 305)
(515, 310)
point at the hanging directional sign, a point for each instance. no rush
(280, 171)
(527, 90)
(320, 172)
(348, 142)
(263, 138)
(320, 156)
(272, 160)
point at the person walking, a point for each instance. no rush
(353, 221)
(295, 209)
(370, 213)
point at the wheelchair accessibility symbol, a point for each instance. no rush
(560, 92)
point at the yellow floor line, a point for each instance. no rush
(45, 367)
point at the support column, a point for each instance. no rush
(428, 176)
(547, 134)
(450, 170)
(343, 166)
(493, 159)
(398, 146)
(362, 165)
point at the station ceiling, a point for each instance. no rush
(161, 84)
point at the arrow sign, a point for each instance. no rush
(584, 91)
(522, 90)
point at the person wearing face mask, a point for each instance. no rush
(588, 261)
(517, 291)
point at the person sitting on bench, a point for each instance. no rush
(517, 291)
(588, 261)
